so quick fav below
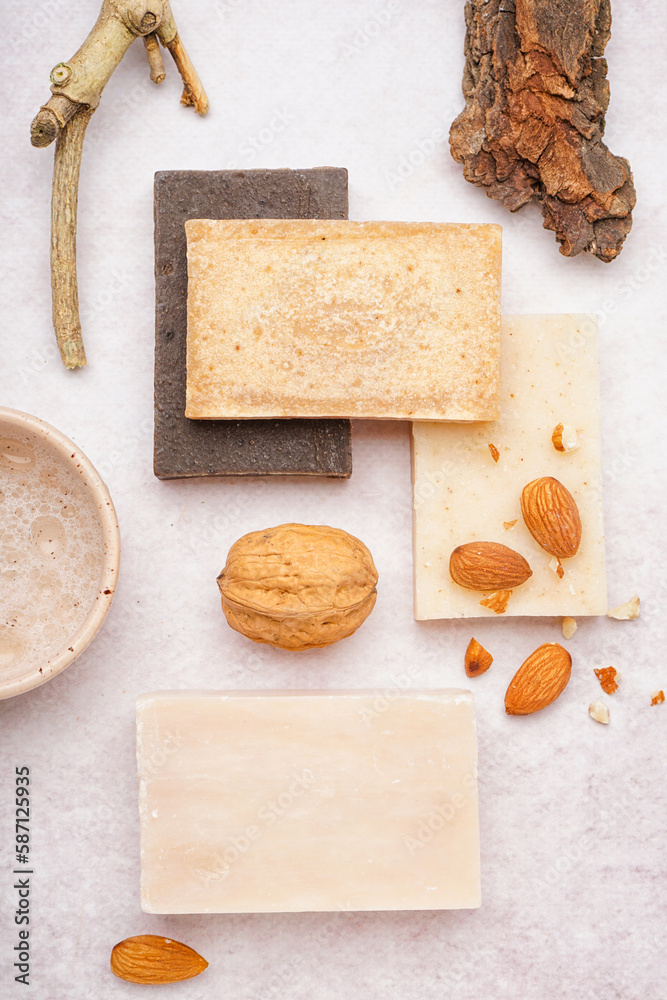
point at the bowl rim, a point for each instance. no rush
(74, 458)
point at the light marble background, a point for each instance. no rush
(572, 813)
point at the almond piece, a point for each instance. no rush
(599, 711)
(497, 601)
(488, 566)
(626, 612)
(557, 567)
(608, 678)
(565, 438)
(495, 454)
(152, 960)
(552, 516)
(569, 627)
(539, 680)
(477, 659)
(657, 698)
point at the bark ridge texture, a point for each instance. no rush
(535, 84)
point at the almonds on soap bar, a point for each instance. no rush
(155, 961)
(552, 516)
(539, 680)
(488, 566)
(298, 586)
(477, 659)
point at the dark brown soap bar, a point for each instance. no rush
(188, 448)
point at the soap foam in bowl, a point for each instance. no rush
(59, 552)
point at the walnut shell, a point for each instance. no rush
(298, 586)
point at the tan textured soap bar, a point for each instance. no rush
(467, 479)
(305, 318)
(294, 801)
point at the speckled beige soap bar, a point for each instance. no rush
(549, 375)
(295, 801)
(305, 318)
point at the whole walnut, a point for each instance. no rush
(298, 586)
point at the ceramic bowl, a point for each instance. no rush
(59, 552)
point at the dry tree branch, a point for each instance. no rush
(193, 92)
(77, 86)
(154, 58)
(64, 200)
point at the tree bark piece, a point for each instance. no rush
(536, 95)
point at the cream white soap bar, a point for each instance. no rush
(295, 801)
(304, 318)
(549, 376)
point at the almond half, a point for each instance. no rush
(477, 659)
(488, 566)
(152, 960)
(552, 516)
(539, 680)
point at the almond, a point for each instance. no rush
(552, 516)
(488, 566)
(477, 659)
(539, 680)
(152, 960)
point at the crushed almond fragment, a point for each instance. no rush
(599, 711)
(497, 601)
(557, 567)
(608, 678)
(657, 698)
(477, 659)
(626, 612)
(565, 438)
(495, 454)
(508, 525)
(569, 627)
